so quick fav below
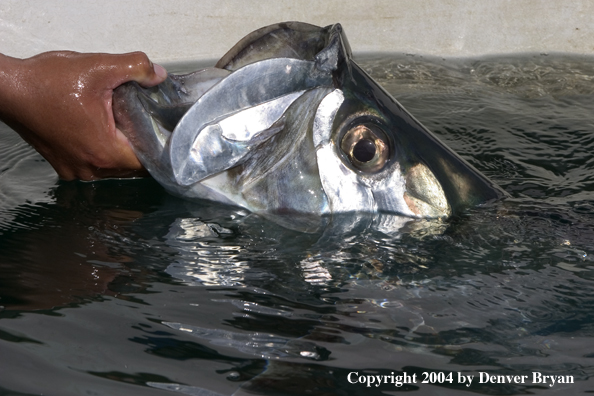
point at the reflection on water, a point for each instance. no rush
(116, 287)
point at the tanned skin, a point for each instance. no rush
(61, 103)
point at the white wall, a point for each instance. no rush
(195, 29)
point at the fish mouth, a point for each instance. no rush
(437, 175)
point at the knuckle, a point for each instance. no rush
(140, 60)
(100, 160)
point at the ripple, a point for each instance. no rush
(26, 180)
(266, 345)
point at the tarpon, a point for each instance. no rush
(288, 123)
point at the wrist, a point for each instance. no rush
(11, 85)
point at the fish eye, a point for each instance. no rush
(364, 150)
(366, 146)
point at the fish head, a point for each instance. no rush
(288, 123)
(392, 160)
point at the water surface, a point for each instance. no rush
(117, 288)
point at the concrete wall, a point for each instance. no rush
(204, 29)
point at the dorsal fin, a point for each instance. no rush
(282, 40)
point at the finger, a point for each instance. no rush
(127, 157)
(136, 66)
(156, 76)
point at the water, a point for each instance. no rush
(116, 288)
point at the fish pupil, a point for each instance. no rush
(364, 150)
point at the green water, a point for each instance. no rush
(116, 287)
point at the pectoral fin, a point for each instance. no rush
(225, 143)
(198, 147)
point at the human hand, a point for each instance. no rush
(61, 103)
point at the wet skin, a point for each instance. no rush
(60, 103)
